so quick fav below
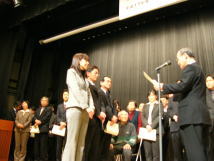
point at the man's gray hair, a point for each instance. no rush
(122, 111)
(187, 51)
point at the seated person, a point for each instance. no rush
(126, 139)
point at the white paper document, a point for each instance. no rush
(57, 131)
(34, 130)
(147, 135)
(112, 129)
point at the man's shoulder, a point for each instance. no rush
(193, 66)
(100, 91)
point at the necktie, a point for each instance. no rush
(41, 110)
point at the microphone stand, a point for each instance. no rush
(160, 117)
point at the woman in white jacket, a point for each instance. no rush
(79, 108)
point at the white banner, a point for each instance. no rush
(129, 8)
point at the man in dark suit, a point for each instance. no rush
(111, 114)
(193, 112)
(12, 116)
(61, 121)
(42, 119)
(92, 143)
(174, 128)
(210, 104)
(165, 120)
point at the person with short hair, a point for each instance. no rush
(135, 116)
(111, 114)
(61, 121)
(150, 122)
(93, 138)
(193, 112)
(126, 139)
(22, 131)
(41, 119)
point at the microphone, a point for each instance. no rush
(163, 65)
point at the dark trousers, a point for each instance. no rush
(211, 142)
(176, 146)
(59, 146)
(92, 149)
(166, 145)
(193, 141)
(152, 150)
(52, 147)
(126, 153)
(40, 147)
(105, 144)
(12, 147)
(30, 150)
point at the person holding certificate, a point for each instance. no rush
(151, 122)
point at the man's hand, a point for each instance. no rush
(38, 122)
(62, 125)
(175, 117)
(156, 85)
(102, 116)
(149, 128)
(127, 147)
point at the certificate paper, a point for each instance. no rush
(112, 129)
(57, 131)
(34, 129)
(146, 135)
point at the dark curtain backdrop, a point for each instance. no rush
(122, 56)
(125, 56)
(25, 68)
(47, 74)
(8, 41)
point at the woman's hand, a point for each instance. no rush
(90, 113)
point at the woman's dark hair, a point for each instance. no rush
(152, 91)
(116, 104)
(26, 101)
(76, 62)
(135, 103)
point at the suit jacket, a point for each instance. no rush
(96, 98)
(79, 92)
(173, 110)
(44, 118)
(61, 113)
(155, 117)
(210, 103)
(165, 120)
(107, 105)
(25, 119)
(192, 105)
(11, 114)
